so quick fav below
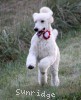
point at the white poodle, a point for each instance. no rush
(44, 51)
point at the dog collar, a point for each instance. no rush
(46, 34)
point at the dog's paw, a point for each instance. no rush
(30, 67)
(55, 82)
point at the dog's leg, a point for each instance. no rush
(31, 61)
(32, 56)
(42, 77)
(54, 74)
(43, 65)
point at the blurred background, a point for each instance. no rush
(16, 30)
(16, 24)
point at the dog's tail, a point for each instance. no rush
(46, 10)
(55, 33)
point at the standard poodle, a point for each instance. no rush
(44, 51)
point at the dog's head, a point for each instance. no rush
(43, 19)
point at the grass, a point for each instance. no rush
(14, 12)
(14, 75)
(16, 27)
(66, 13)
(14, 43)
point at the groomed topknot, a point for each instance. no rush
(46, 10)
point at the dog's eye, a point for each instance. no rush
(42, 21)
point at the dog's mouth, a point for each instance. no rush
(42, 31)
(39, 33)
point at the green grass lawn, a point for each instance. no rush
(14, 75)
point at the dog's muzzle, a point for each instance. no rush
(46, 34)
(37, 30)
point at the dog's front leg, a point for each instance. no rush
(42, 77)
(31, 61)
(32, 56)
(43, 65)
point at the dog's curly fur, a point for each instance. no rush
(44, 53)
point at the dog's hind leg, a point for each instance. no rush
(54, 74)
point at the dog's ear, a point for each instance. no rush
(51, 19)
(34, 16)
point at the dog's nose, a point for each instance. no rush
(30, 67)
(35, 29)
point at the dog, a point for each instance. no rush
(44, 51)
